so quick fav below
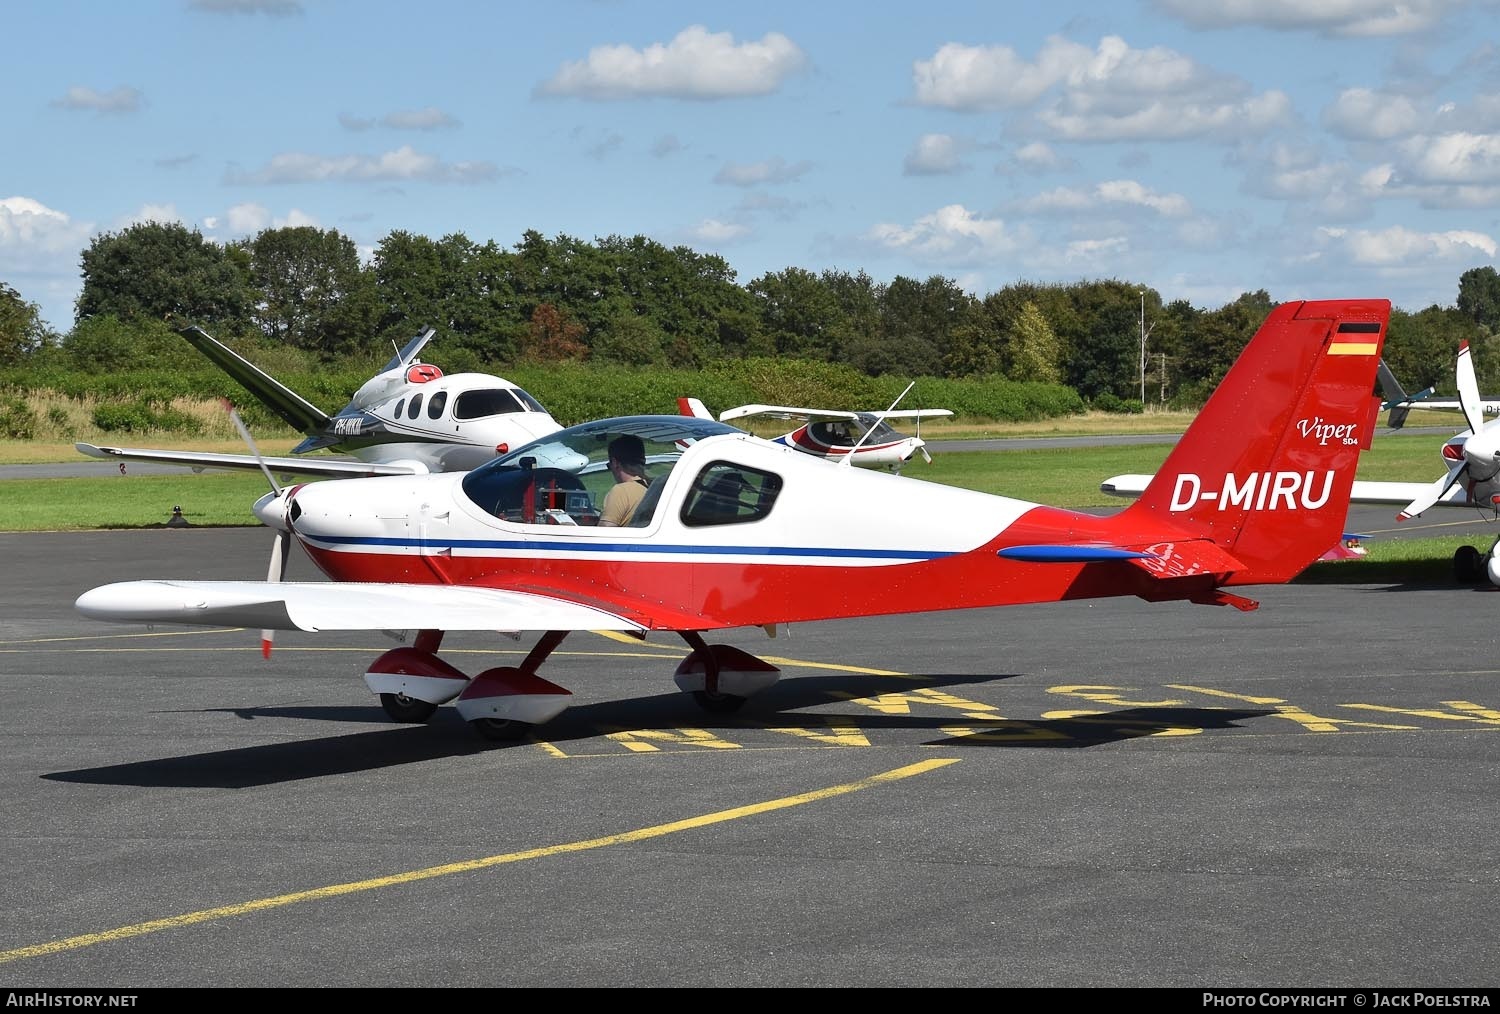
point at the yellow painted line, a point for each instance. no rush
(355, 887)
(113, 637)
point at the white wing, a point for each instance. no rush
(915, 413)
(326, 468)
(339, 606)
(784, 412)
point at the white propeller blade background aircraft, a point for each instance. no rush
(848, 438)
(737, 532)
(408, 419)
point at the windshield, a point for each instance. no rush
(482, 402)
(567, 472)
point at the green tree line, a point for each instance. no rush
(632, 303)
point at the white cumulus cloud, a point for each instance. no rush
(696, 64)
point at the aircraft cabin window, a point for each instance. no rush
(726, 494)
(399, 406)
(564, 478)
(415, 408)
(436, 403)
(483, 402)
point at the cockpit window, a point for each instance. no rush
(728, 494)
(848, 432)
(527, 400)
(489, 401)
(562, 478)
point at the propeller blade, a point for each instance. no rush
(234, 417)
(277, 571)
(1434, 493)
(275, 574)
(925, 456)
(1468, 389)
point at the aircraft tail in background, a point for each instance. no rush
(288, 405)
(1266, 469)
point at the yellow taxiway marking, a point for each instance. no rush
(355, 887)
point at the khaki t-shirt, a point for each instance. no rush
(620, 501)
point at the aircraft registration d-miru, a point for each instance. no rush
(408, 419)
(736, 531)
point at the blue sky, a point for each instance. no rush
(1311, 148)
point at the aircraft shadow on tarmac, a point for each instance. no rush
(447, 735)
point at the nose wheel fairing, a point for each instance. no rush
(416, 674)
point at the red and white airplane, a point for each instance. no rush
(410, 418)
(846, 438)
(738, 532)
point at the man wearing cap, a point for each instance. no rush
(627, 463)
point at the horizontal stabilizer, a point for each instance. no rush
(1070, 554)
(1187, 558)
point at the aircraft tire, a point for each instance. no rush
(500, 730)
(407, 710)
(1468, 564)
(718, 704)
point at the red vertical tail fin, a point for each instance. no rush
(1266, 468)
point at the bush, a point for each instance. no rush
(17, 420)
(142, 417)
(1110, 402)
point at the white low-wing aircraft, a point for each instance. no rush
(848, 438)
(736, 531)
(1472, 479)
(410, 418)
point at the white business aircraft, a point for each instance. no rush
(848, 438)
(1472, 479)
(410, 418)
(740, 532)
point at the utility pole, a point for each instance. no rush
(1143, 347)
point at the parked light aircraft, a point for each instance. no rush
(848, 438)
(738, 532)
(408, 419)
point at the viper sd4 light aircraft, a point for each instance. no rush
(410, 418)
(736, 531)
(847, 438)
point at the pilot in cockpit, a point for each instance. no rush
(627, 463)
